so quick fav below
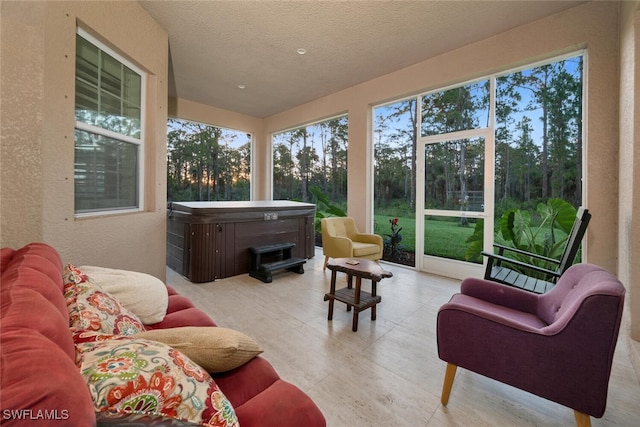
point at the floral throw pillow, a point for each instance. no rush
(94, 309)
(135, 380)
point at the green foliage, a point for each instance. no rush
(516, 227)
(313, 155)
(397, 208)
(475, 241)
(324, 206)
(543, 233)
(393, 250)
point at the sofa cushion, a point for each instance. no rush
(36, 266)
(31, 295)
(44, 317)
(144, 295)
(213, 348)
(40, 383)
(132, 379)
(6, 255)
(94, 309)
(364, 249)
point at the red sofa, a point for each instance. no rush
(41, 383)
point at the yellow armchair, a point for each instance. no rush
(341, 239)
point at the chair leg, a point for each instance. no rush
(326, 260)
(582, 420)
(449, 375)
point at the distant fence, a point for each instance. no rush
(469, 201)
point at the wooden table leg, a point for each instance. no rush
(373, 293)
(356, 301)
(332, 292)
(349, 286)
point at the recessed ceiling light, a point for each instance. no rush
(301, 51)
(241, 86)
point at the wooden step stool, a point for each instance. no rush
(280, 258)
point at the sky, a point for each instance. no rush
(535, 115)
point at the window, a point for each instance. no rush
(456, 109)
(394, 177)
(539, 134)
(108, 131)
(484, 148)
(312, 159)
(454, 174)
(206, 163)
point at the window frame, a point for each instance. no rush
(273, 134)
(252, 141)
(106, 133)
(435, 265)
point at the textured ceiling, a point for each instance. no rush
(217, 45)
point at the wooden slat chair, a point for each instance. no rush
(517, 273)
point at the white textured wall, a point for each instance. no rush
(629, 172)
(21, 117)
(38, 87)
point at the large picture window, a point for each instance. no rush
(207, 163)
(109, 131)
(312, 159)
(507, 142)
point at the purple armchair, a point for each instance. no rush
(557, 345)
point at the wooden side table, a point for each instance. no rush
(355, 297)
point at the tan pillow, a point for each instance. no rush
(213, 348)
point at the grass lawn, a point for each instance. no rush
(444, 238)
(447, 239)
(383, 227)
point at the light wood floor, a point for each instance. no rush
(388, 372)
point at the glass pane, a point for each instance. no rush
(86, 102)
(457, 109)
(454, 175)
(110, 110)
(395, 180)
(539, 135)
(132, 95)
(310, 163)
(111, 75)
(106, 173)
(207, 163)
(108, 94)
(453, 237)
(538, 155)
(87, 56)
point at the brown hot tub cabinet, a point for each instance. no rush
(211, 240)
